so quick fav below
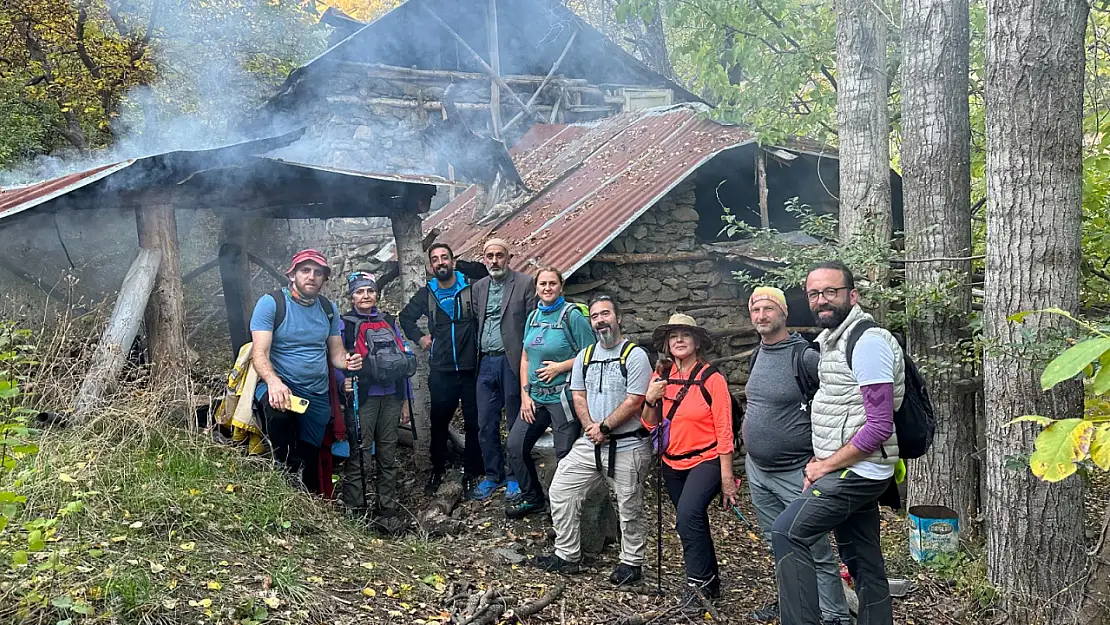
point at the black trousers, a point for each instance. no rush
(522, 438)
(691, 492)
(284, 434)
(448, 389)
(848, 505)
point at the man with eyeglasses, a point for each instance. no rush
(855, 452)
(502, 301)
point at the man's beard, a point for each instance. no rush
(769, 328)
(443, 272)
(839, 314)
(606, 334)
(497, 272)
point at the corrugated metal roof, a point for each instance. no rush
(592, 180)
(406, 178)
(18, 199)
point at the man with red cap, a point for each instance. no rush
(296, 337)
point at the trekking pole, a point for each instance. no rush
(659, 523)
(358, 440)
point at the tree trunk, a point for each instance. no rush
(864, 127)
(412, 262)
(1034, 98)
(936, 183)
(165, 314)
(652, 42)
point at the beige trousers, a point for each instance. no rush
(577, 475)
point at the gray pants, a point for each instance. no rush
(379, 418)
(848, 505)
(771, 492)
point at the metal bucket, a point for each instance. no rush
(933, 530)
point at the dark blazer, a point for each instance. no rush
(518, 300)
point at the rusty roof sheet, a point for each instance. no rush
(591, 181)
(18, 199)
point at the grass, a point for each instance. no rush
(164, 527)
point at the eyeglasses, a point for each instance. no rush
(829, 293)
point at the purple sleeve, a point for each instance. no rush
(878, 405)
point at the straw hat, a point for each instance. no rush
(679, 321)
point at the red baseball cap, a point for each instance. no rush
(309, 255)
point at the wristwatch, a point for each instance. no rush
(605, 429)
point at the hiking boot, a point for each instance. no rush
(512, 492)
(524, 508)
(626, 574)
(484, 490)
(767, 613)
(555, 564)
(469, 483)
(433, 484)
(390, 523)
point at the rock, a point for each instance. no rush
(599, 525)
(654, 284)
(671, 295)
(363, 133)
(685, 214)
(705, 266)
(639, 232)
(512, 557)
(671, 282)
(698, 295)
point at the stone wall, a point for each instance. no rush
(650, 293)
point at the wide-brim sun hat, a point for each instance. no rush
(679, 321)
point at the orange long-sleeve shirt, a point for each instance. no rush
(696, 424)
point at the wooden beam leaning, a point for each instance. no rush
(495, 65)
(543, 83)
(117, 339)
(761, 181)
(485, 66)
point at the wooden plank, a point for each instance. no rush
(761, 181)
(641, 259)
(543, 83)
(235, 278)
(123, 326)
(495, 65)
(165, 315)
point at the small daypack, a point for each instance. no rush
(698, 377)
(385, 357)
(560, 322)
(279, 311)
(807, 383)
(915, 423)
(588, 359)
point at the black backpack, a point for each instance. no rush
(807, 384)
(279, 312)
(386, 359)
(915, 423)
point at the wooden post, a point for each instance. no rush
(116, 342)
(495, 64)
(761, 180)
(165, 314)
(411, 262)
(236, 279)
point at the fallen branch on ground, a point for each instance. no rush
(489, 606)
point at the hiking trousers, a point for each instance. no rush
(577, 475)
(691, 491)
(288, 448)
(771, 492)
(498, 388)
(448, 389)
(848, 505)
(379, 418)
(564, 428)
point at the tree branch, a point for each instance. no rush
(82, 51)
(793, 42)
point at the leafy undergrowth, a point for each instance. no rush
(148, 524)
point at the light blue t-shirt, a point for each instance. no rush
(299, 351)
(543, 341)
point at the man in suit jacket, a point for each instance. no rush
(502, 301)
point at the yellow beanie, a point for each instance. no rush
(771, 294)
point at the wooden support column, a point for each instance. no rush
(761, 181)
(236, 279)
(115, 344)
(412, 264)
(165, 313)
(495, 64)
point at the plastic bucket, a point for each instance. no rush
(933, 530)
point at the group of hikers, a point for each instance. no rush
(818, 428)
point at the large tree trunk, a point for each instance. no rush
(412, 262)
(1034, 94)
(165, 315)
(652, 42)
(864, 127)
(936, 182)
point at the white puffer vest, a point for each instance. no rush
(838, 412)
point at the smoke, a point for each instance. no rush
(215, 62)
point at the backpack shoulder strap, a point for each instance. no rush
(626, 351)
(854, 337)
(279, 308)
(705, 373)
(588, 356)
(806, 383)
(751, 359)
(562, 322)
(329, 309)
(351, 325)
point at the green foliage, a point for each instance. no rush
(15, 437)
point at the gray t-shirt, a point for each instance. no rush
(776, 429)
(491, 342)
(606, 388)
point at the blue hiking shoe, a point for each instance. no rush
(483, 490)
(512, 492)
